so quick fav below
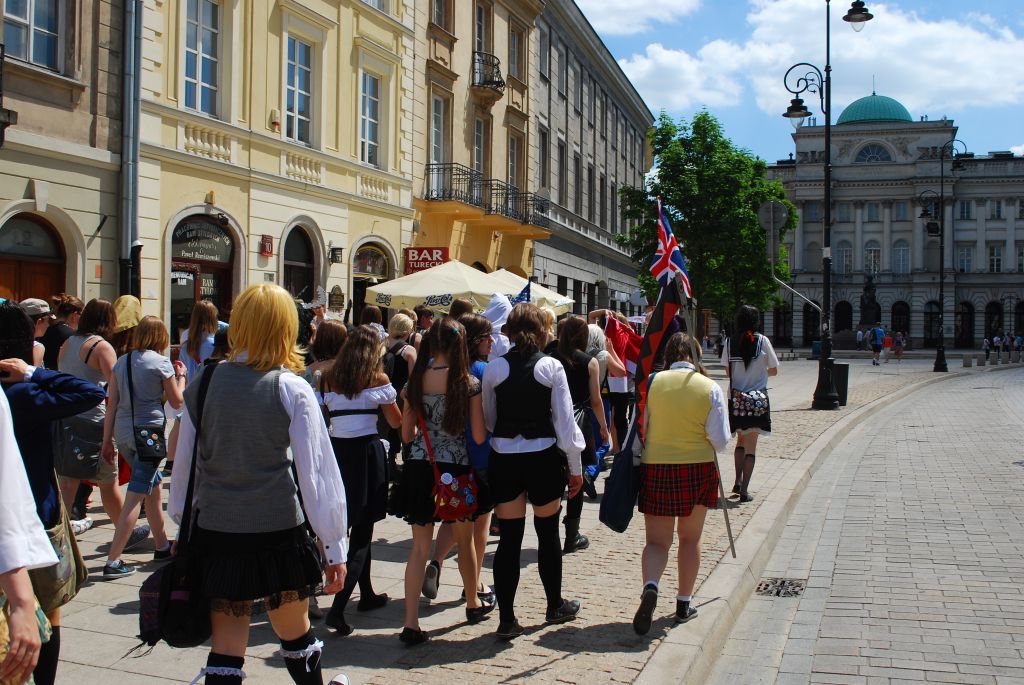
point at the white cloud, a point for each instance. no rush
(931, 66)
(617, 18)
(1017, 150)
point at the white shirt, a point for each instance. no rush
(550, 373)
(357, 425)
(754, 376)
(23, 541)
(323, 493)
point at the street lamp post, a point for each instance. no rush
(812, 80)
(952, 148)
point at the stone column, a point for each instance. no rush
(980, 250)
(858, 237)
(950, 238)
(1010, 256)
(917, 242)
(798, 240)
(886, 265)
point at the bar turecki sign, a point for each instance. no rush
(420, 258)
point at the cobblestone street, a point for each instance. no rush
(101, 624)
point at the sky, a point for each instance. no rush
(962, 59)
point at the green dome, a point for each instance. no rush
(874, 108)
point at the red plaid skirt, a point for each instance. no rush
(675, 489)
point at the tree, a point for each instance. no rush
(711, 191)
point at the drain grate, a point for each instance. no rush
(781, 587)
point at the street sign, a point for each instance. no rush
(772, 215)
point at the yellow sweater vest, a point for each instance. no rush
(678, 403)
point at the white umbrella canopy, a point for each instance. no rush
(435, 288)
(511, 285)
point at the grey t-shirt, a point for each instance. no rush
(149, 369)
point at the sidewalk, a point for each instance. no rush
(101, 623)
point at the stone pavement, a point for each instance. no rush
(100, 625)
(910, 541)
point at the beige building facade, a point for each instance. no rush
(59, 165)
(276, 146)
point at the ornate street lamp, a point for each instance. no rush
(813, 81)
(951, 149)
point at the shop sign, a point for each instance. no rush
(370, 262)
(266, 245)
(336, 300)
(200, 238)
(421, 258)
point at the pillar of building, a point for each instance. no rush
(858, 237)
(950, 240)
(798, 241)
(980, 250)
(886, 265)
(1010, 251)
(917, 244)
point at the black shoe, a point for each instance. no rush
(581, 542)
(588, 486)
(507, 631)
(479, 613)
(684, 612)
(411, 636)
(315, 612)
(338, 624)
(744, 498)
(431, 579)
(644, 614)
(371, 602)
(736, 489)
(564, 613)
(168, 469)
(162, 554)
(485, 597)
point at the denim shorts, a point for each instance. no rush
(145, 476)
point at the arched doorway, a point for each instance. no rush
(480, 266)
(370, 265)
(812, 324)
(202, 264)
(299, 273)
(871, 313)
(964, 325)
(993, 318)
(843, 317)
(932, 316)
(32, 259)
(899, 317)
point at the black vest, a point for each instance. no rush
(523, 405)
(578, 375)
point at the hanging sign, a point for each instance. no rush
(199, 238)
(421, 258)
(266, 245)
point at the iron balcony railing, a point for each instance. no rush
(456, 182)
(487, 72)
(504, 199)
(538, 211)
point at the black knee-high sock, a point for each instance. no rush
(737, 458)
(304, 670)
(218, 661)
(506, 566)
(549, 558)
(365, 581)
(358, 553)
(574, 507)
(748, 470)
(45, 672)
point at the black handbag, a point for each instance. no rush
(172, 607)
(77, 443)
(150, 443)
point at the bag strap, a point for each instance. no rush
(426, 440)
(131, 391)
(186, 514)
(351, 412)
(89, 353)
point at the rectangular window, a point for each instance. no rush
(872, 260)
(843, 263)
(812, 212)
(996, 209)
(615, 129)
(1020, 208)
(995, 259)
(591, 195)
(577, 88)
(1020, 258)
(32, 31)
(515, 160)
(438, 129)
(369, 121)
(382, 5)
(516, 46)
(563, 69)
(480, 146)
(563, 174)
(439, 13)
(545, 158)
(633, 137)
(577, 172)
(577, 295)
(901, 258)
(615, 208)
(604, 115)
(844, 211)
(545, 52)
(965, 259)
(966, 208)
(480, 42)
(202, 49)
(899, 211)
(591, 101)
(563, 285)
(298, 94)
(873, 212)
(604, 202)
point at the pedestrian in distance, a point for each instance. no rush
(986, 346)
(459, 307)
(352, 391)
(877, 338)
(424, 318)
(860, 338)
(528, 409)
(441, 397)
(66, 310)
(886, 346)
(685, 425)
(330, 337)
(751, 360)
(898, 343)
(136, 402)
(264, 468)
(197, 340)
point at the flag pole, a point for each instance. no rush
(691, 329)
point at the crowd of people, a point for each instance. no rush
(304, 431)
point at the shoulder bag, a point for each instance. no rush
(56, 585)
(751, 402)
(150, 443)
(455, 497)
(77, 442)
(622, 487)
(172, 607)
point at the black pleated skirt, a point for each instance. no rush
(364, 470)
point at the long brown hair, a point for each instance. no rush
(330, 338)
(477, 328)
(202, 324)
(446, 337)
(526, 327)
(97, 319)
(358, 362)
(573, 334)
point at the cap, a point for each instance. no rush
(36, 308)
(127, 312)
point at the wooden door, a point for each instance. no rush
(22, 278)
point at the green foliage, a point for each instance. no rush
(711, 191)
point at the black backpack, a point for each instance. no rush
(395, 366)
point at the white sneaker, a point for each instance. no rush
(340, 679)
(80, 526)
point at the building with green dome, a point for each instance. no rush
(886, 264)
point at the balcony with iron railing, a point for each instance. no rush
(503, 199)
(538, 208)
(455, 183)
(487, 84)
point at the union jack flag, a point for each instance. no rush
(668, 258)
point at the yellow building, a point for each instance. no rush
(473, 147)
(273, 133)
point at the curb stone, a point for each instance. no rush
(688, 652)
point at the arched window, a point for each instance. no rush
(843, 263)
(964, 324)
(872, 153)
(932, 318)
(901, 257)
(872, 257)
(843, 319)
(900, 317)
(31, 259)
(299, 265)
